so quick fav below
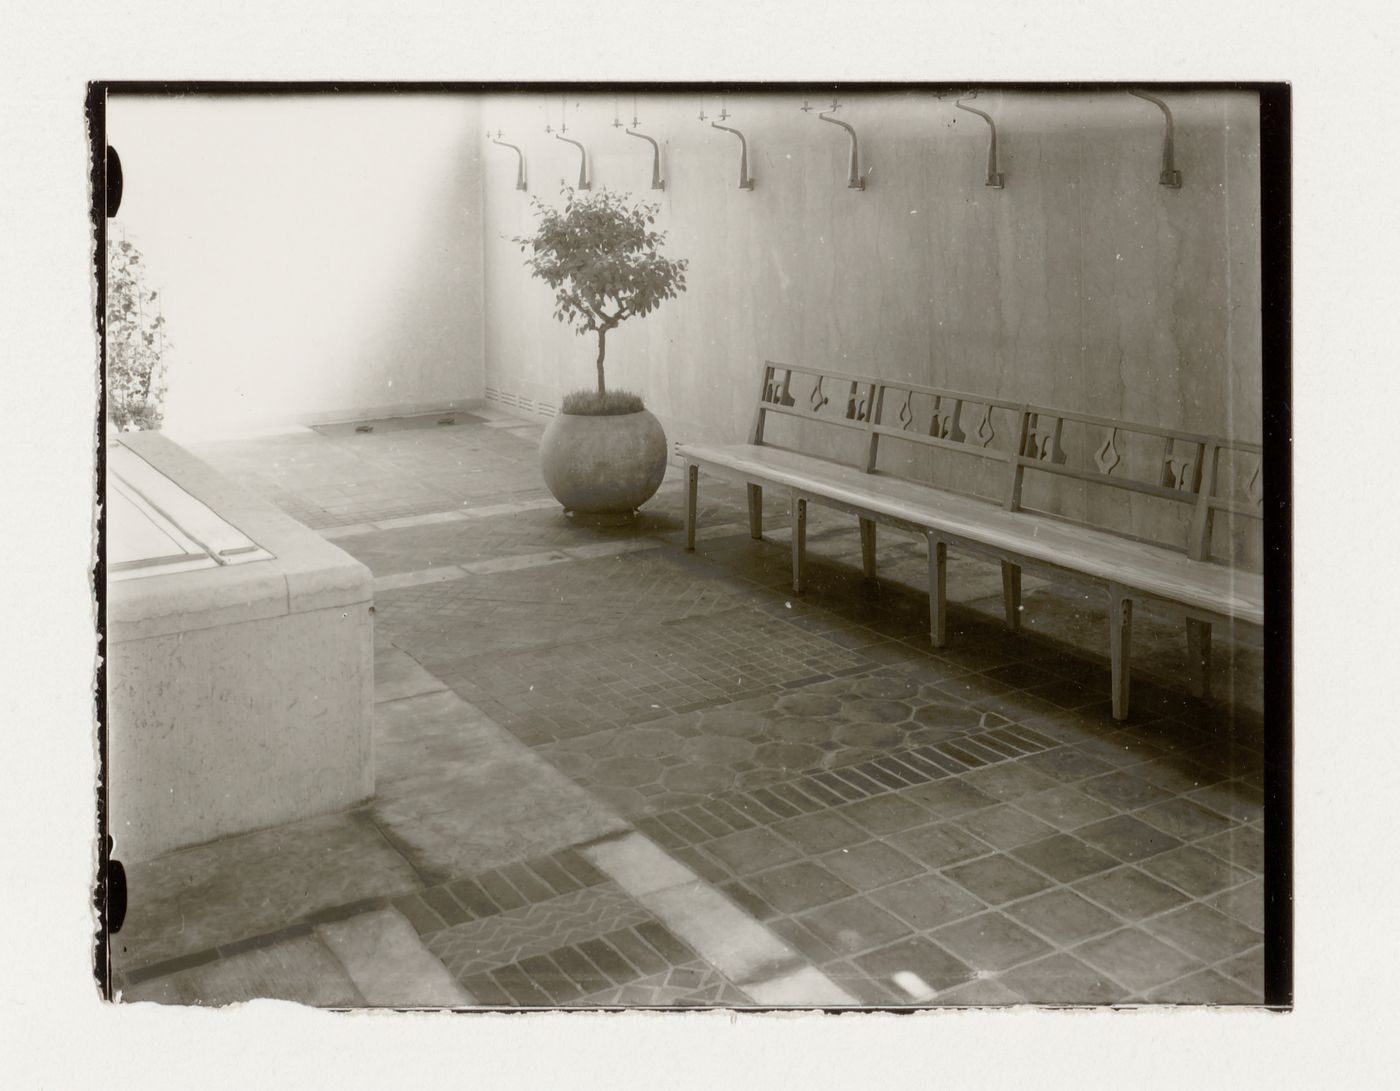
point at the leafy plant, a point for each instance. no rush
(135, 343)
(602, 256)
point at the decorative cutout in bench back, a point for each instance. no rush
(1209, 473)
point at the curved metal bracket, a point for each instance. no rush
(745, 179)
(582, 161)
(1170, 176)
(854, 179)
(520, 160)
(657, 182)
(995, 178)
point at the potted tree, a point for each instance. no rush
(605, 454)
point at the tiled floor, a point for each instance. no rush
(613, 773)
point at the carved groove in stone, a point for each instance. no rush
(819, 398)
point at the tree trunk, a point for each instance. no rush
(602, 347)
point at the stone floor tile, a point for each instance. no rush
(1195, 871)
(854, 925)
(301, 969)
(927, 901)
(1205, 987)
(1242, 846)
(939, 844)
(1005, 827)
(820, 832)
(1062, 979)
(1063, 917)
(1136, 960)
(948, 798)
(636, 864)
(389, 964)
(990, 941)
(886, 814)
(980, 992)
(1123, 790)
(1247, 969)
(807, 987)
(722, 933)
(1126, 837)
(1245, 903)
(870, 865)
(1064, 858)
(1184, 819)
(751, 851)
(998, 879)
(1067, 765)
(863, 987)
(793, 888)
(397, 674)
(1235, 799)
(914, 969)
(1131, 894)
(1201, 931)
(1010, 781)
(198, 898)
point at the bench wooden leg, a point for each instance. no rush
(867, 547)
(755, 511)
(1011, 595)
(692, 489)
(937, 591)
(799, 542)
(1120, 633)
(1198, 653)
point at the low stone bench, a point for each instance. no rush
(1196, 477)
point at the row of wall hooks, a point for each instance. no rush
(996, 179)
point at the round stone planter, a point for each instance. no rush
(603, 465)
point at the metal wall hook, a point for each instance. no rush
(1170, 176)
(657, 182)
(582, 157)
(520, 158)
(745, 179)
(854, 179)
(995, 178)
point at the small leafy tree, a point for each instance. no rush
(602, 257)
(135, 343)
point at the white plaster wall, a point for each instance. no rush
(1084, 284)
(318, 256)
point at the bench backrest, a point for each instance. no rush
(1210, 474)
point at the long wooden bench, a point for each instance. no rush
(1194, 477)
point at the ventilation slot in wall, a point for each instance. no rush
(519, 401)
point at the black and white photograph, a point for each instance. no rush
(774, 545)
(691, 546)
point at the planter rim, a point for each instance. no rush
(629, 413)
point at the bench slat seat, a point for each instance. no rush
(1141, 567)
(1210, 475)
